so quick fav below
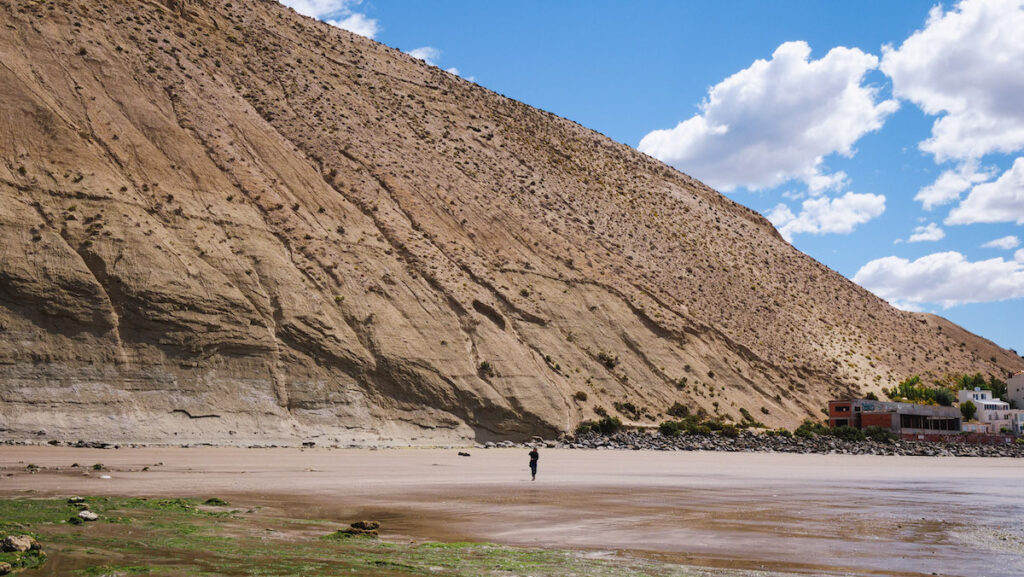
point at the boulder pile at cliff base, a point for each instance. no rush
(753, 442)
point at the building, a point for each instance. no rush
(1015, 390)
(905, 419)
(993, 415)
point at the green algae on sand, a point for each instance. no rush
(135, 536)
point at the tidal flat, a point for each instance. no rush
(589, 512)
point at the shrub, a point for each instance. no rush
(670, 428)
(628, 409)
(848, 433)
(609, 425)
(968, 410)
(678, 410)
(714, 424)
(486, 369)
(944, 397)
(730, 430)
(606, 426)
(880, 434)
(608, 360)
(871, 397)
(580, 395)
(808, 429)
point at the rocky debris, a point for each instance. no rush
(749, 441)
(76, 499)
(18, 544)
(464, 454)
(87, 515)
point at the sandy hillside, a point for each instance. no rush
(224, 222)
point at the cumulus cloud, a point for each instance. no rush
(951, 184)
(998, 201)
(965, 65)
(1019, 256)
(929, 233)
(776, 120)
(824, 215)
(1006, 243)
(358, 24)
(340, 13)
(946, 278)
(428, 54)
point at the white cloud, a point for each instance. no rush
(319, 8)
(428, 54)
(965, 65)
(1019, 256)
(999, 201)
(1006, 243)
(338, 13)
(358, 24)
(827, 215)
(929, 233)
(776, 120)
(947, 278)
(950, 184)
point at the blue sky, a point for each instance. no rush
(879, 137)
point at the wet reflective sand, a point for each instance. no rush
(809, 514)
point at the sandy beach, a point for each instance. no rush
(784, 513)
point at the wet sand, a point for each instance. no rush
(808, 514)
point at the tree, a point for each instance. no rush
(968, 409)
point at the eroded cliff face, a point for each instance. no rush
(226, 223)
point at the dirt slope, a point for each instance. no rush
(225, 222)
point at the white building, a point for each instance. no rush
(994, 415)
(1015, 390)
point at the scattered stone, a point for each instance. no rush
(87, 515)
(357, 529)
(76, 499)
(308, 444)
(463, 454)
(5, 568)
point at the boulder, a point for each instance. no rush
(5, 568)
(87, 515)
(17, 543)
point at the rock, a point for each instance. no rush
(76, 499)
(87, 515)
(463, 454)
(17, 543)
(5, 568)
(366, 525)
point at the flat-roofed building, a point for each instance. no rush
(993, 415)
(1015, 390)
(901, 418)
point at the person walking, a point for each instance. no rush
(534, 456)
